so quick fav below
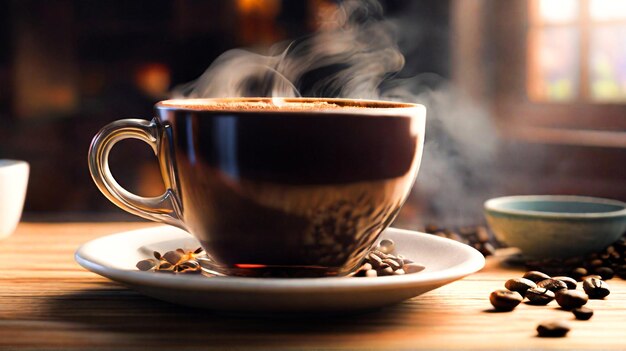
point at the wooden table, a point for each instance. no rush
(48, 301)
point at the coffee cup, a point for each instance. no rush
(291, 187)
(13, 182)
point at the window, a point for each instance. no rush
(576, 51)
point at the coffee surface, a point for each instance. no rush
(277, 105)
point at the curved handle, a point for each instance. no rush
(164, 208)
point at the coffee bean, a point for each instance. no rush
(441, 234)
(146, 265)
(553, 329)
(579, 273)
(505, 300)
(570, 282)
(539, 296)
(413, 268)
(605, 272)
(385, 270)
(520, 285)
(392, 263)
(583, 313)
(431, 229)
(399, 272)
(386, 246)
(570, 299)
(378, 254)
(482, 235)
(172, 257)
(595, 276)
(165, 266)
(371, 273)
(596, 288)
(487, 249)
(552, 284)
(374, 260)
(596, 262)
(535, 276)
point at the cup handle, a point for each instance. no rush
(165, 208)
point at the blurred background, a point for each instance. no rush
(524, 97)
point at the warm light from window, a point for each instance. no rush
(603, 10)
(577, 50)
(558, 11)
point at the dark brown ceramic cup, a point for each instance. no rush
(289, 187)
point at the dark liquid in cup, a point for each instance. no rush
(298, 190)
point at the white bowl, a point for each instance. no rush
(13, 181)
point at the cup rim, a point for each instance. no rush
(350, 105)
(495, 205)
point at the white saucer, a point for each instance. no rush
(114, 256)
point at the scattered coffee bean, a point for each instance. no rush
(536, 276)
(146, 265)
(165, 266)
(570, 299)
(596, 262)
(505, 300)
(583, 313)
(177, 261)
(596, 288)
(477, 237)
(553, 329)
(385, 263)
(394, 264)
(539, 296)
(482, 235)
(552, 284)
(374, 260)
(520, 285)
(385, 271)
(386, 246)
(173, 257)
(570, 282)
(605, 272)
(413, 268)
(611, 257)
(578, 273)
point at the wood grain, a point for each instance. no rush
(48, 301)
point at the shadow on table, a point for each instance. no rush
(124, 311)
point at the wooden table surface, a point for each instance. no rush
(48, 301)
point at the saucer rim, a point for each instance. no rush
(473, 262)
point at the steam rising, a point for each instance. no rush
(355, 54)
(350, 56)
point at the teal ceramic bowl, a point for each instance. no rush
(548, 226)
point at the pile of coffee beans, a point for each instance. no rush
(382, 261)
(607, 264)
(540, 289)
(177, 261)
(477, 237)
